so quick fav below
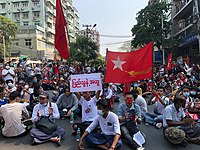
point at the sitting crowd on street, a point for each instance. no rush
(26, 106)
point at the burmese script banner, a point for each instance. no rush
(85, 82)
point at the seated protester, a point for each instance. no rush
(3, 99)
(194, 93)
(129, 114)
(10, 88)
(174, 116)
(34, 97)
(89, 110)
(61, 87)
(44, 108)
(8, 73)
(109, 124)
(12, 114)
(160, 102)
(185, 92)
(135, 86)
(140, 101)
(194, 110)
(67, 103)
(26, 92)
(108, 94)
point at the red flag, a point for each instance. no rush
(169, 62)
(60, 36)
(125, 67)
(187, 60)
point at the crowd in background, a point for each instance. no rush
(25, 84)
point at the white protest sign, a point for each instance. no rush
(85, 82)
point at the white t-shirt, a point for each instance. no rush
(142, 103)
(170, 113)
(89, 108)
(12, 115)
(8, 77)
(158, 106)
(109, 125)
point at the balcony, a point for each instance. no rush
(183, 9)
(50, 40)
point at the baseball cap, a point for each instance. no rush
(44, 94)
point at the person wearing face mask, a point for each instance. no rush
(12, 114)
(25, 93)
(108, 94)
(67, 101)
(186, 93)
(10, 88)
(108, 121)
(129, 115)
(44, 108)
(89, 110)
(193, 93)
(8, 73)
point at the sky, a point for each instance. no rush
(113, 18)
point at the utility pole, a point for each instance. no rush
(88, 31)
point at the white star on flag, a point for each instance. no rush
(118, 63)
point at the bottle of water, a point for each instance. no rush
(72, 117)
(78, 135)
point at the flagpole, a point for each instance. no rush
(104, 74)
(152, 65)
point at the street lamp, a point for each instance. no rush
(89, 30)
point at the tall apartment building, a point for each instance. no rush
(36, 19)
(186, 27)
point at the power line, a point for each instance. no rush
(115, 43)
(116, 36)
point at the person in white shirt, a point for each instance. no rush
(108, 93)
(160, 101)
(26, 92)
(48, 109)
(89, 109)
(8, 73)
(109, 138)
(12, 114)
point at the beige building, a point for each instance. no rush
(36, 19)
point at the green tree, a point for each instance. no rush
(83, 50)
(153, 25)
(9, 29)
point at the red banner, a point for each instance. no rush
(61, 43)
(123, 67)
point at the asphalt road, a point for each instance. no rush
(154, 140)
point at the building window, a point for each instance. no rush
(25, 23)
(16, 5)
(25, 15)
(37, 23)
(49, 25)
(3, 6)
(28, 42)
(25, 4)
(36, 14)
(16, 15)
(36, 3)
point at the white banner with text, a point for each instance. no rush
(85, 82)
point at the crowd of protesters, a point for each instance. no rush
(174, 94)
